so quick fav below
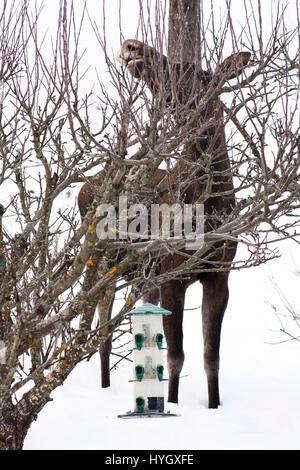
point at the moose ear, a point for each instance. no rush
(234, 65)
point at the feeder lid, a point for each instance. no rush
(147, 309)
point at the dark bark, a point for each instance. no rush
(184, 31)
(13, 428)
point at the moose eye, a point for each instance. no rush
(131, 48)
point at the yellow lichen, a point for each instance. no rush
(90, 262)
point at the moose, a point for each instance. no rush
(186, 85)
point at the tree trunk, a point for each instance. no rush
(13, 429)
(184, 31)
(12, 436)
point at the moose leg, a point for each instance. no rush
(172, 298)
(215, 298)
(104, 308)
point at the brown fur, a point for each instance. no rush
(144, 63)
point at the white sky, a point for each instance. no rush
(108, 15)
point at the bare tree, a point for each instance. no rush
(286, 312)
(54, 268)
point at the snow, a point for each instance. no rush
(259, 383)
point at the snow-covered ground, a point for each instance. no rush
(259, 382)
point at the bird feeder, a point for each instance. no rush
(148, 361)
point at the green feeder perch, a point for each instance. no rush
(159, 340)
(139, 339)
(139, 372)
(160, 372)
(140, 404)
